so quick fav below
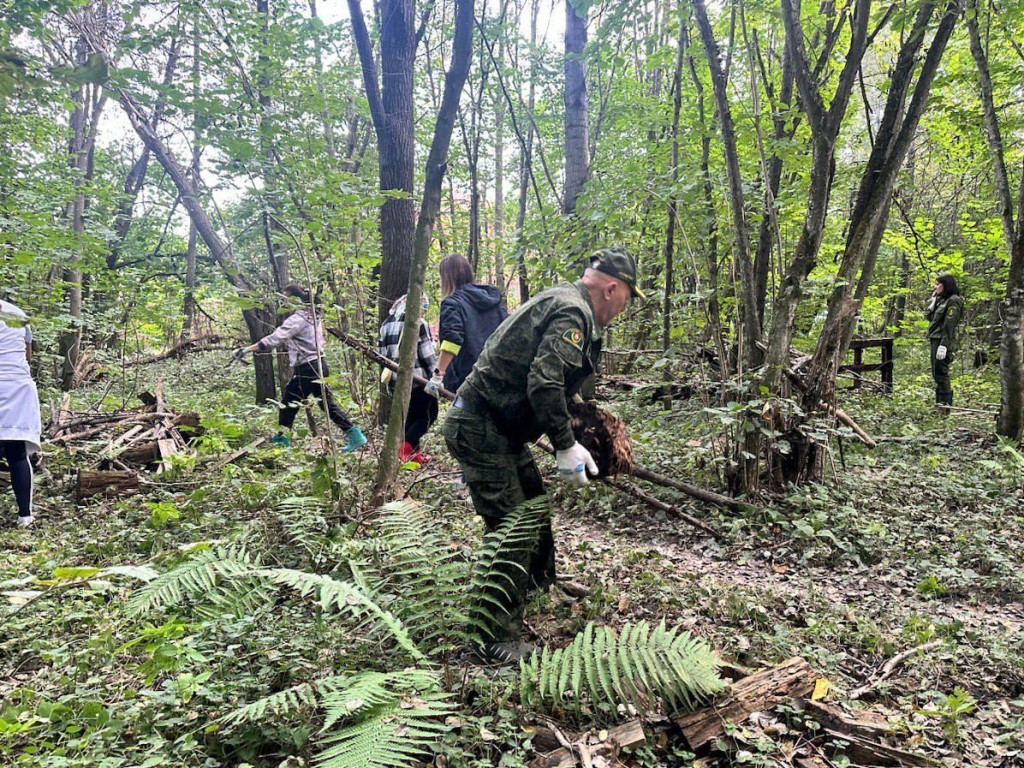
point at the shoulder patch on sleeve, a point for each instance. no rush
(575, 337)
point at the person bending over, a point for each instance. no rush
(302, 334)
(519, 389)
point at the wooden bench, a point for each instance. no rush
(858, 367)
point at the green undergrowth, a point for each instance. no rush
(355, 627)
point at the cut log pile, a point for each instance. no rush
(121, 443)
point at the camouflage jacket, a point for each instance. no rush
(535, 362)
(943, 320)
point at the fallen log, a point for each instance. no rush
(760, 692)
(868, 752)
(653, 501)
(692, 490)
(107, 483)
(238, 453)
(867, 725)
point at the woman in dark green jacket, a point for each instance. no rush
(944, 312)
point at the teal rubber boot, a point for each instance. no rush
(281, 440)
(356, 440)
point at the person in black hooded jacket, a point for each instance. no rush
(469, 314)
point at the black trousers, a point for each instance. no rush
(422, 414)
(940, 373)
(16, 455)
(305, 381)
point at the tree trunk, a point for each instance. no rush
(825, 125)
(189, 304)
(462, 48)
(391, 107)
(749, 326)
(219, 248)
(673, 201)
(71, 338)
(577, 142)
(526, 161)
(874, 198)
(1011, 344)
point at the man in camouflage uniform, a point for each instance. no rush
(518, 390)
(944, 312)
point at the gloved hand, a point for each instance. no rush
(433, 386)
(940, 353)
(931, 304)
(574, 464)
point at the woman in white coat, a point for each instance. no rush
(20, 424)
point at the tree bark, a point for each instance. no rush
(462, 48)
(749, 325)
(874, 198)
(1010, 422)
(577, 107)
(391, 107)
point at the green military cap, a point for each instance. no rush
(618, 262)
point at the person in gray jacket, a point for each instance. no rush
(302, 334)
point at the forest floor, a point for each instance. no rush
(918, 540)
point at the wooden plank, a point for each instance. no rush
(760, 692)
(239, 453)
(166, 448)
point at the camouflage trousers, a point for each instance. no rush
(940, 373)
(501, 474)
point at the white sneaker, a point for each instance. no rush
(25, 522)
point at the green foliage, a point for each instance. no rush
(602, 669)
(501, 555)
(425, 575)
(241, 576)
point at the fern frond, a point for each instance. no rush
(198, 576)
(277, 705)
(396, 735)
(344, 597)
(420, 575)
(502, 555)
(231, 578)
(639, 663)
(394, 719)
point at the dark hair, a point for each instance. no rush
(949, 287)
(298, 291)
(456, 271)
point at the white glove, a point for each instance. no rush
(940, 353)
(433, 386)
(574, 464)
(931, 304)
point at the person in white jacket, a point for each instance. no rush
(20, 424)
(302, 334)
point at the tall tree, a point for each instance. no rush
(1011, 345)
(455, 79)
(390, 97)
(577, 104)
